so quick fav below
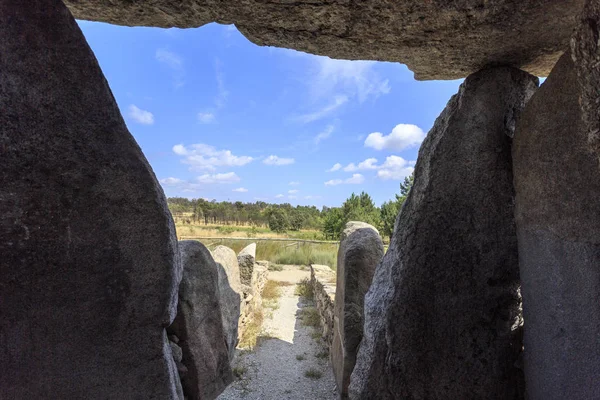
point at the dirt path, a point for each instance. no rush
(278, 367)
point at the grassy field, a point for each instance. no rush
(243, 231)
(284, 252)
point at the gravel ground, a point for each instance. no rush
(273, 370)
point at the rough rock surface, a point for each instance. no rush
(361, 249)
(89, 266)
(437, 39)
(442, 315)
(228, 259)
(246, 260)
(199, 325)
(231, 303)
(230, 291)
(322, 279)
(557, 181)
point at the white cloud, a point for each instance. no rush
(354, 180)
(171, 181)
(369, 163)
(141, 116)
(336, 167)
(403, 136)
(275, 160)
(205, 157)
(240, 190)
(279, 196)
(312, 197)
(174, 62)
(325, 134)
(395, 168)
(338, 101)
(292, 197)
(206, 117)
(229, 177)
(352, 78)
(334, 182)
(179, 149)
(222, 92)
(201, 181)
(294, 183)
(293, 191)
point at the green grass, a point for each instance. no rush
(239, 371)
(279, 252)
(311, 317)
(304, 289)
(313, 374)
(322, 354)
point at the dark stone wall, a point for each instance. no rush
(442, 317)
(557, 181)
(88, 258)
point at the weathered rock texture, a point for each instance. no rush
(199, 325)
(361, 249)
(88, 258)
(252, 303)
(228, 259)
(557, 181)
(246, 260)
(322, 280)
(230, 292)
(443, 313)
(437, 39)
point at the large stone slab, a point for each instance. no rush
(199, 325)
(442, 316)
(557, 181)
(228, 259)
(361, 249)
(437, 39)
(230, 292)
(89, 266)
(246, 260)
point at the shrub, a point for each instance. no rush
(313, 374)
(304, 289)
(311, 317)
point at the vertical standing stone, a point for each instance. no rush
(557, 181)
(199, 325)
(230, 293)
(88, 262)
(246, 260)
(361, 249)
(442, 315)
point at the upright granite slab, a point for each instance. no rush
(557, 181)
(199, 325)
(442, 316)
(361, 249)
(246, 260)
(230, 292)
(89, 267)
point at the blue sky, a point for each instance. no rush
(221, 118)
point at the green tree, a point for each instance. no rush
(361, 208)
(333, 223)
(390, 209)
(278, 220)
(389, 212)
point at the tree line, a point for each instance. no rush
(284, 217)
